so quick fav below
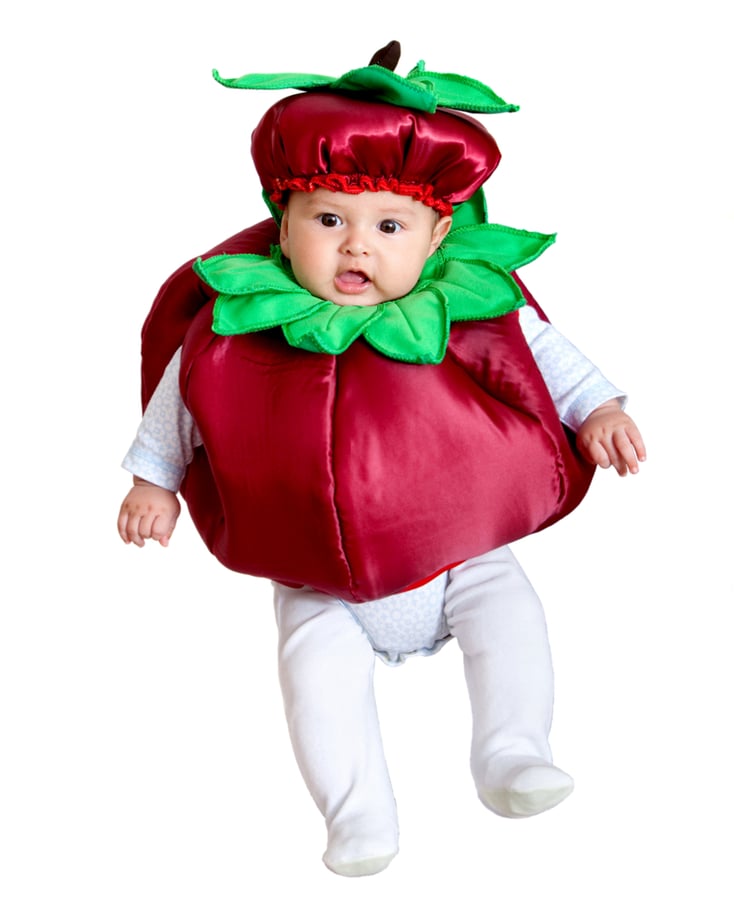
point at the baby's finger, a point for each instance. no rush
(617, 458)
(598, 455)
(125, 527)
(145, 525)
(638, 443)
(122, 527)
(623, 454)
(631, 449)
(162, 529)
(132, 530)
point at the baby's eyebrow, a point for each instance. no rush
(318, 210)
(317, 206)
(388, 213)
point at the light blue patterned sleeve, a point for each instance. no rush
(575, 384)
(167, 436)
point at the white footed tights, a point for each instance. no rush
(498, 621)
(326, 668)
(326, 665)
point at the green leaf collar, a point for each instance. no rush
(468, 278)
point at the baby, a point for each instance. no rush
(295, 429)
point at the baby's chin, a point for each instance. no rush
(351, 302)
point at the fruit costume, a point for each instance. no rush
(352, 452)
(362, 449)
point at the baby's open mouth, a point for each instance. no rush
(352, 281)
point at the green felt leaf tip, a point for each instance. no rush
(417, 332)
(461, 92)
(275, 81)
(505, 246)
(331, 328)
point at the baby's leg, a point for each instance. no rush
(498, 621)
(326, 672)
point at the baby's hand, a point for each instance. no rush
(148, 512)
(609, 437)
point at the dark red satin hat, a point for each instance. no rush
(328, 140)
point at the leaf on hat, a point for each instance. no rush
(459, 92)
(275, 81)
(420, 89)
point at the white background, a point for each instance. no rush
(143, 754)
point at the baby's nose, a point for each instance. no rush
(355, 242)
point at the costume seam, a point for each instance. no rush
(332, 473)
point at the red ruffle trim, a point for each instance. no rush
(353, 185)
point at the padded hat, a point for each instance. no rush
(351, 144)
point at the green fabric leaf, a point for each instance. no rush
(275, 81)
(506, 246)
(261, 309)
(233, 274)
(331, 328)
(414, 329)
(495, 294)
(460, 92)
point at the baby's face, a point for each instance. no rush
(359, 249)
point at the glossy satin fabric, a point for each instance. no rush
(318, 133)
(357, 474)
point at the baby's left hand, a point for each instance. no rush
(609, 437)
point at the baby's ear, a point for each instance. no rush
(440, 231)
(284, 233)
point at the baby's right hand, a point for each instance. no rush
(148, 512)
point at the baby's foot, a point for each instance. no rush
(360, 848)
(360, 867)
(521, 786)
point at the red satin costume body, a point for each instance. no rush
(356, 474)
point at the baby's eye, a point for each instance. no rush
(329, 220)
(389, 226)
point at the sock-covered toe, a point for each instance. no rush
(521, 787)
(361, 848)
